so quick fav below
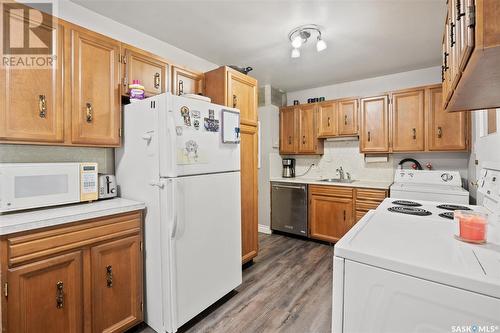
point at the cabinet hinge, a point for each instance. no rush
(140, 245)
(472, 16)
(142, 306)
(120, 132)
(6, 289)
(124, 59)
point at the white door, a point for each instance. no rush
(191, 138)
(205, 240)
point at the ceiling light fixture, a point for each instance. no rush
(300, 35)
(295, 53)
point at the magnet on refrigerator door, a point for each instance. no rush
(186, 116)
(211, 124)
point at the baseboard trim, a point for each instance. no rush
(264, 229)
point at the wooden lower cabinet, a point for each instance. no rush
(116, 280)
(82, 277)
(249, 196)
(333, 210)
(46, 296)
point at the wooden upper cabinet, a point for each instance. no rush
(31, 99)
(116, 285)
(408, 130)
(348, 117)
(307, 130)
(228, 87)
(374, 133)
(327, 119)
(185, 81)
(95, 89)
(249, 193)
(472, 41)
(242, 96)
(47, 294)
(288, 136)
(148, 68)
(446, 131)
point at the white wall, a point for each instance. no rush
(269, 136)
(371, 86)
(74, 13)
(485, 148)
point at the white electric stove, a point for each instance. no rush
(433, 185)
(400, 268)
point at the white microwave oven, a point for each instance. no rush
(34, 185)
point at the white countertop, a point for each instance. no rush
(48, 217)
(384, 185)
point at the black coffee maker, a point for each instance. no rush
(288, 167)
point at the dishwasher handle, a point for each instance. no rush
(293, 187)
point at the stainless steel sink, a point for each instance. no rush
(337, 180)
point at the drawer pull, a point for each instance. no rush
(181, 88)
(345, 119)
(440, 132)
(289, 140)
(42, 106)
(235, 101)
(59, 294)
(157, 80)
(414, 130)
(303, 139)
(89, 113)
(369, 136)
(109, 276)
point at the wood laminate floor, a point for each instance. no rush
(287, 289)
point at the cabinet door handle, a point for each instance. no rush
(42, 106)
(109, 276)
(329, 123)
(459, 14)
(452, 34)
(344, 215)
(345, 119)
(439, 132)
(181, 87)
(89, 113)
(303, 139)
(157, 80)
(289, 140)
(369, 136)
(59, 294)
(235, 101)
(414, 130)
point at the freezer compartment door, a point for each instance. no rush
(192, 138)
(206, 241)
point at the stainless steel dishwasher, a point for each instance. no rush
(289, 208)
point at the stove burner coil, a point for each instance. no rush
(407, 203)
(453, 207)
(409, 211)
(447, 215)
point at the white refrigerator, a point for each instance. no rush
(181, 156)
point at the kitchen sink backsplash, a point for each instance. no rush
(347, 155)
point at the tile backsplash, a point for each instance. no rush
(346, 154)
(42, 154)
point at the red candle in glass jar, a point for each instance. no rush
(472, 226)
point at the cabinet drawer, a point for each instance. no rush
(360, 214)
(370, 194)
(36, 245)
(366, 205)
(334, 191)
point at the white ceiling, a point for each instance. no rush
(365, 38)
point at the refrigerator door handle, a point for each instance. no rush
(173, 230)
